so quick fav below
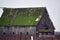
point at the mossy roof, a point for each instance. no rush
(21, 16)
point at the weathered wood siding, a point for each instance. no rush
(18, 30)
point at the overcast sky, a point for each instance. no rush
(53, 7)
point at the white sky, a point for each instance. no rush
(53, 7)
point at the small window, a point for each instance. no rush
(20, 32)
(27, 33)
(4, 33)
(46, 27)
(13, 32)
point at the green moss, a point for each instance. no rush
(23, 16)
(43, 30)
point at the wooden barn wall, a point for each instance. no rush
(18, 30)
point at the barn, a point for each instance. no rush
(26, 21)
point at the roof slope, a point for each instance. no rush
(45, 21)
(21, 16)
